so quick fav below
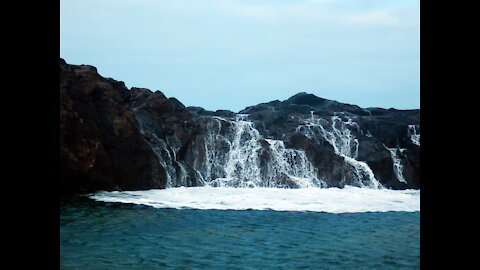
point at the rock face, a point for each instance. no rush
(114, 138)
(372, 133)
(100, 144)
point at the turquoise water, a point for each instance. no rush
(99, 235)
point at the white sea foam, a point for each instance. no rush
(332, 200)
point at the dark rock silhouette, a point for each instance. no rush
(114, 138)
(100, 144)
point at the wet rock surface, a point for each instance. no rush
(115, 138)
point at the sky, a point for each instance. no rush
(230, 54)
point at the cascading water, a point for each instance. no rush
(292, 163)
(235, 157)
(339, 136)
(397, 165)
(413, 134)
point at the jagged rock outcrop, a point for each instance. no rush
(114, 138)
(377, 130)
(100, 144)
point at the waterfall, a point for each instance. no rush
(242, 159)
(294, 163)
(338, 134)
(235, 157)
(414, 136)
(397, 165)
(234, 154)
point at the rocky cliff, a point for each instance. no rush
(114, 138)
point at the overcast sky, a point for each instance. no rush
(230, 54)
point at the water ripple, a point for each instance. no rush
(150, 238)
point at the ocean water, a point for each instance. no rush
(214, 228)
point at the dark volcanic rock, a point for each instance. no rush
(306, 99)
(114, 138)
(100, 146)
(177, 105)
(378, 129)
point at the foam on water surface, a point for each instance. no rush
(331, 200)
